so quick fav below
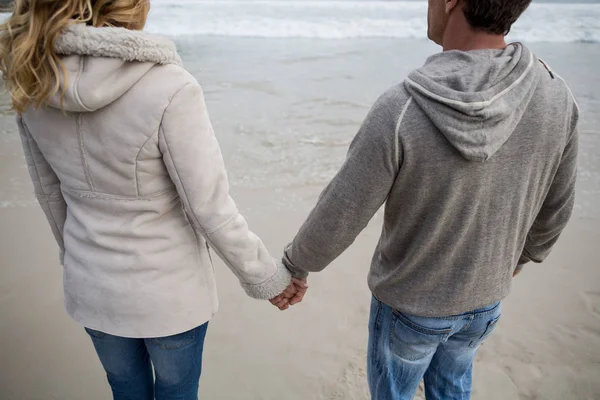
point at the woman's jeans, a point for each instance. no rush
(403, 349)
(177, 362)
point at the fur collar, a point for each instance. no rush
(120, 43)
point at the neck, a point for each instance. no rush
(460, 36)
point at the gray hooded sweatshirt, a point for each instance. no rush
(474, 156)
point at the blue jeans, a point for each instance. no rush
(403, 349)
(177, 362)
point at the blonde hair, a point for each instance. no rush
(30, 67)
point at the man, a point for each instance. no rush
(475, 157)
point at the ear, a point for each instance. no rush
(451, 5)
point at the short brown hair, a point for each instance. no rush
(494, 16)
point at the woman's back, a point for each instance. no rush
(129, 173)
(134, 185)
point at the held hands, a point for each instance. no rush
(292, 295)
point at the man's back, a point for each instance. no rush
(475, 158)
(481, 142)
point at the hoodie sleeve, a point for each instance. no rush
(558, 206)
(193, 158)
(46, 186)
(354, 195)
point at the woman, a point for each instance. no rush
(127, 168)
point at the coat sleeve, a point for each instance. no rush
(46, 186)
(193, 158)
(558, 205)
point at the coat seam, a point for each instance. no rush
(37, 175)
(103, 196)
(50, 198)
(76, 83)
(135, 166)
(219, 227)
(86, 171)
(187, 199)
(161, 129)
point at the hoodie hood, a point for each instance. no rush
(117, 59)
(477, 98)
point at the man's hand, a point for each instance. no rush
(292, 295)
(283, 300)
(517, 272)
(301, 289)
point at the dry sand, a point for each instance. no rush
(547, 345)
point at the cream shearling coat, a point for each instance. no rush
(131, 178)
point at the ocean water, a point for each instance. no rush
(288, 83)
(543, 22)
(285, 110)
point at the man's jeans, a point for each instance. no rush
(403, 349)
(177, 362)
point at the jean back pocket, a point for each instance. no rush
(415, 338)
(176, 341)
(489, 329)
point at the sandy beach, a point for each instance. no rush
(547, 345)
(285, 111)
